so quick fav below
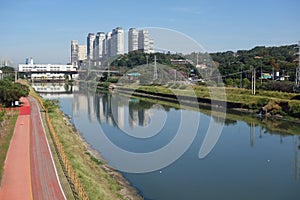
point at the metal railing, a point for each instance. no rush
(74, 182)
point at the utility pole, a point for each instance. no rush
(261, 73)
(253, 81)
(16, 75)
(155, 76)
(241, 76)
(297, 79)
(147, 60)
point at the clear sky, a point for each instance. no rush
(43, 29)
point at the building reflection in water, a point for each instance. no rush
(112, 109)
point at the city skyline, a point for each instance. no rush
(101, 46)
(44, 29)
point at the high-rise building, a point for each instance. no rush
(74, 52)
(133, 36)
(108, 45)
(117, 41)
(144, 41)
(99, 47)
(90, 46)
(82, 53)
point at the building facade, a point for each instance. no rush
(139, 40)
(90, 46)
(108, 50)
(133, 36)
(82, 53)
(145, 44)
(48, 71)
(117, 42)
(74, 53)
(99, 48)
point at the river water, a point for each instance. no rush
(251, 158)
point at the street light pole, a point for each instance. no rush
(260, 73)
(241, 76)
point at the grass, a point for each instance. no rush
(96, 182)
(232, 116)
(5, 138)
(234, 95)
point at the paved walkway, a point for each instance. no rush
(16, 180)
(29, 171)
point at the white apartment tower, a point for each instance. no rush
(74, 52)
(90, 46)
(108, 45)
(133, 36)
(144, 41)
(117, 41)
(99, 47)
(82, 52)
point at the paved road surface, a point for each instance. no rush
(16, 179)
(29, 170)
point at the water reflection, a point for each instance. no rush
(114, 110)
(53, 87)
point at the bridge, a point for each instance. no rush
(97, 71)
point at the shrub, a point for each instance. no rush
(176, 85)
(283, 86)
(113, 79)
(294, 108)
(182, 87)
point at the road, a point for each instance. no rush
(29, 170)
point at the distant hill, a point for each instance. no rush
(281, 59)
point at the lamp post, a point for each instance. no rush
(241, 75)
(258, 57)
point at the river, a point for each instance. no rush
(157, 148)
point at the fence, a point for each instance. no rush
(77, 189)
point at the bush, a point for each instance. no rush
(2, 114)
(211, 83)
(182, 87)
(176, 85)
(294, 108)
(283, 86)
(51, 105)
(113, 79)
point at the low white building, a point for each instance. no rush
(48, 71)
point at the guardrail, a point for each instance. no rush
(77, 189)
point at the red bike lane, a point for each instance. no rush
(29, 170)
(16, 179)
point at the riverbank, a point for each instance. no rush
(267, 103)
(98, 180)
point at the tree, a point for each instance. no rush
(10, 92)
(246, 83)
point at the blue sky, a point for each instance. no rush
(43, 29)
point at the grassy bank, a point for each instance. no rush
(6, 133)
(274, 103)
(97, 178)
(283, 127)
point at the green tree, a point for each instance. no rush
(246, 83)
(10, 92)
